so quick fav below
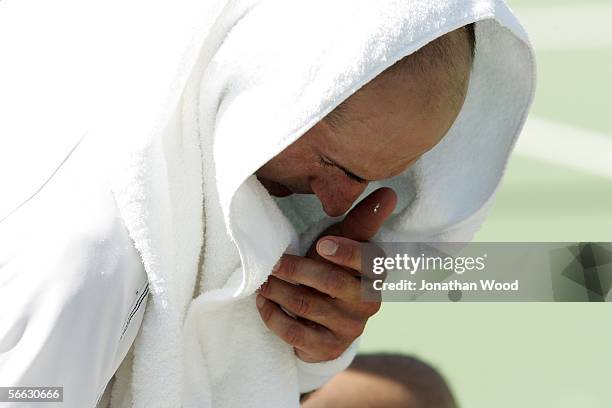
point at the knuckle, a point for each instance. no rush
(289, 267)
(352, 329)
(335, 280)
(335, 351)
(264, 289)
(356, 329)
(349, 253)
(294, 335)
(300, 304)
(371, 308)
(373, 296)
(266, 313)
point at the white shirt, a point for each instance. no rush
(72, 288)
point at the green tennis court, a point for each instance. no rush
(558, 187)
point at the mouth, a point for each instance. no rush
(274, 188)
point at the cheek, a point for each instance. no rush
(282, 166)
(296, 160)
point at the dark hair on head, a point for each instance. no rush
(446, 55)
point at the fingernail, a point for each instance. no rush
(259, 300)
(327, 247)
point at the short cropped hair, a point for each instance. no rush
(447, 55)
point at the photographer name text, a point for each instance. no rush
(490, 285)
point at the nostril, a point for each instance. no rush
(336, 195)
(336, 209)
(335, 212)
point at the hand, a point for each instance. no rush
(330, 313)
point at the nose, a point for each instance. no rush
(337, 195)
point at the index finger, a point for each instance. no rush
(341, 251)
(322, 276)
(350, 254)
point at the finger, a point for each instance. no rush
(333, 351)
(315, 342)
(341, 251)
(309, 304)
(357, 256)
(322, 276)
(372, 254)
(365, 219)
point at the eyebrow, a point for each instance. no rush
(345, 170)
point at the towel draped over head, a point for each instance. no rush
(185, 100)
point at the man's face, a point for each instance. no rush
(388, 126)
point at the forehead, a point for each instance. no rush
(387, 125)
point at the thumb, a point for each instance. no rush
(365, 219)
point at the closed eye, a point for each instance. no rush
(324, 162)
(327, 163)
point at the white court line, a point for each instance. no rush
(567, 146)
(568, 27)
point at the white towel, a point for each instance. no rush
(189, 98)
